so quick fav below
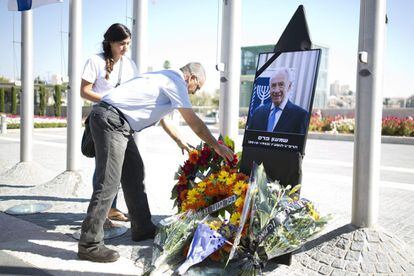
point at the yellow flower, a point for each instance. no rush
(192, 196)
(192, 193)
(215, 225)
(238, 187)
(314, 214)
(202, 185)
(230, 180)
(239, 202)
(222, 175)
(235, 218)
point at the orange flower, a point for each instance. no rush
(227, 247)
(216, 256)
(185, 250)
(183, 195)
(193, 156)
(210, 190)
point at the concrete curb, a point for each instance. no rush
(350, 137)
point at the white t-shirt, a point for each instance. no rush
(94, 72)
(147, 98)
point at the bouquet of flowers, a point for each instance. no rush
(174, 233)
(224, 214)
(201, 163)
(280, 222)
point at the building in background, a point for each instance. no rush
(410, 101)
(249, 58)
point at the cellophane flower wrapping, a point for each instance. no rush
(173, 235)
(280, 222)
(209, 237)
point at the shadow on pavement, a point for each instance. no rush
(43, 198)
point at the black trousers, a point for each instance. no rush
(117, 161)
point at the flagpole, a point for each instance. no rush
(26, 99)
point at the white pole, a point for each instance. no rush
(140, 39)
(367, 147)
(230, 77)
(139, 35)
(27, 97)
(74, 113)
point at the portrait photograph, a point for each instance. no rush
(282, 92)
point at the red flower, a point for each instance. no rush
(182, 179)
(205, 152)
(188, 167)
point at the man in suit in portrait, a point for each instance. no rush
(280, 115)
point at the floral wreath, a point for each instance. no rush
(206, 178)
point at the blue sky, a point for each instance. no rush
(186, 30)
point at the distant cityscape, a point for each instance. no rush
(327, 96)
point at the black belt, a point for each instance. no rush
(109, 107)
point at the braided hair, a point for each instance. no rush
(117, 32)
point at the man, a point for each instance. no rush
(280, 115)
(133, 106)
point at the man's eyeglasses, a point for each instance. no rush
(198, 85)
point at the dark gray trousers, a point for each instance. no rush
(117, 161)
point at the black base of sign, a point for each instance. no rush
(283, 166)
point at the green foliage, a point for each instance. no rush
(14, 100)
(3, 79)
(204, 99)
(42, 100)
(58, 100)
(2, 100)
(38, 125)
(167, 64)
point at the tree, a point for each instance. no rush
(167, 64)
(58, 100)
(14, 100)
(2, 100)
(3, 79)
(42, 100)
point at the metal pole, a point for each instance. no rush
(27, 98)
(140, 39)
(230, 76)
(3, 124)
(367, 147)
(74, 101)
(139, 35)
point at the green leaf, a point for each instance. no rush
(229, 142)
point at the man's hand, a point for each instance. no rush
(183, 146)
(224, 152)
(199, 128)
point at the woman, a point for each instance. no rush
(107, 70)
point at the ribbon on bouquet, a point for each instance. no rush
(217, 206)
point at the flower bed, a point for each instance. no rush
(391, 126)
(13, 121)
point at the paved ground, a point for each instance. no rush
(42, 244)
